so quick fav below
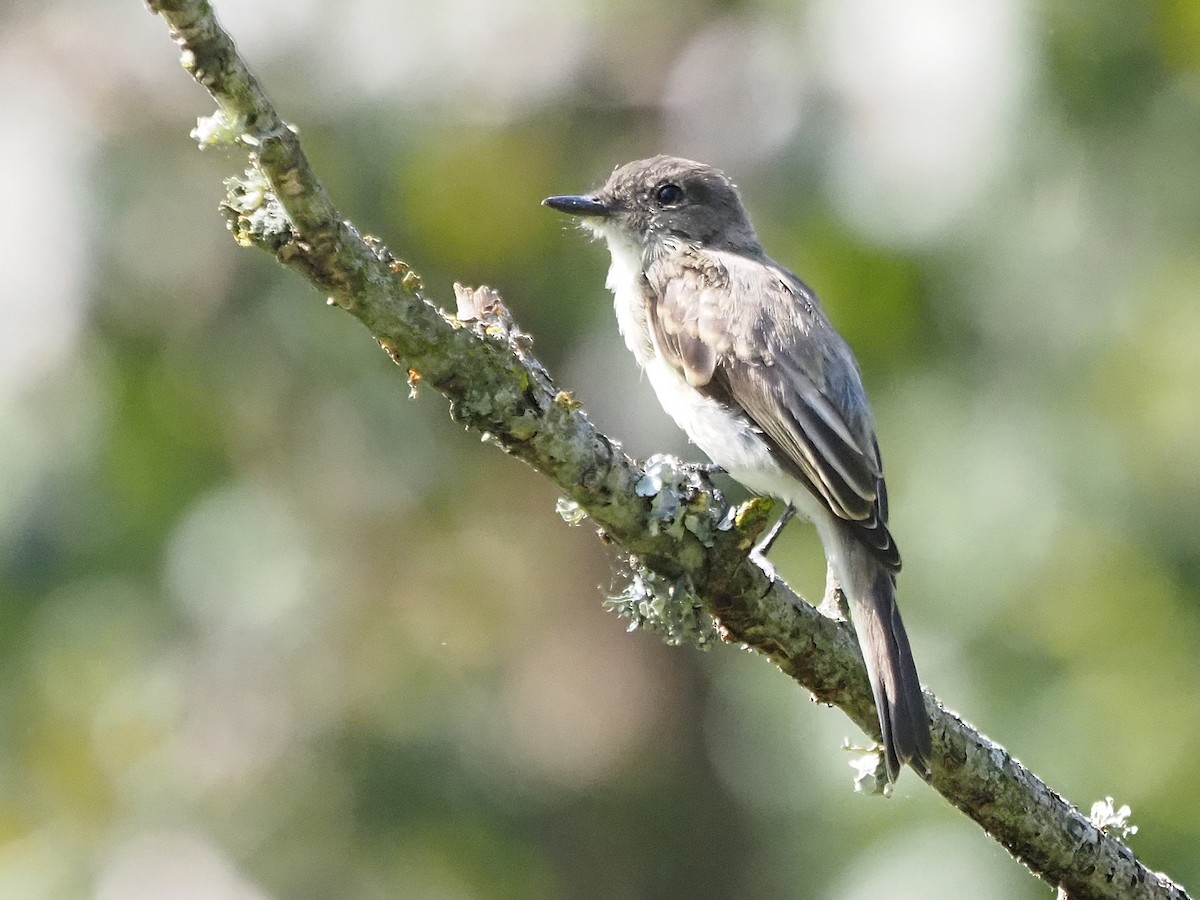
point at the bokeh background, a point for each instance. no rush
(268, 629)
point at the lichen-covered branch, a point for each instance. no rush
(688, 550)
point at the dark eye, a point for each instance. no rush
(668, 194)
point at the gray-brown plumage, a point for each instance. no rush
(742, 356)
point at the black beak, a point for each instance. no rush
(577, 205)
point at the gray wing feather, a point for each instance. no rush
(785, 367)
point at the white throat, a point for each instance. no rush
(630, 291)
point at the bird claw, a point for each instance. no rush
(759, 559)
(761, 549)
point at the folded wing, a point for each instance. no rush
(785, 367)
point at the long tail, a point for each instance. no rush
(870, 589)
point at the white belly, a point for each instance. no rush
(727, 439)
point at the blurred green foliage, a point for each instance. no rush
(268, 629)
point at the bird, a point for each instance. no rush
(742, 356)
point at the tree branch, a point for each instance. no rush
(688, 550)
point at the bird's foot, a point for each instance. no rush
(764, 546)
(760, 560)
(833, 604)
(758, 554)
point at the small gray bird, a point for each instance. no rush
(744, 360)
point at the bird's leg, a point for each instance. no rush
(764, 545)
(833, 604)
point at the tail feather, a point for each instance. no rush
(871, 591)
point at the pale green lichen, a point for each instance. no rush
(566, 400)
(572, 513)
(679, 501)
(411, 282)
(218, 130)
(870, 776)
(670, 608)
(524, 427)
(253, 213)
(1111, 820)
